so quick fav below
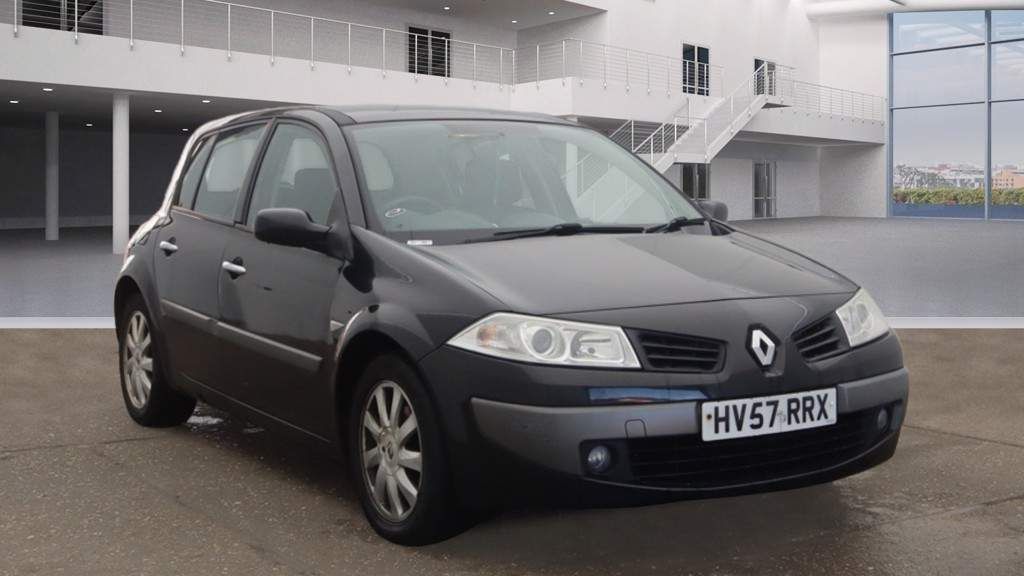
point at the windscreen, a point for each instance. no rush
(446, 180)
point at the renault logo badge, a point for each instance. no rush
(762, 347)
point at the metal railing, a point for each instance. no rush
(243, 29)
(704, 136)
(833, 101)
(585, 61)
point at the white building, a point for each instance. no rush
(776, 107)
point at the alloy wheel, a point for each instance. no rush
(390, 451)
(138, 360)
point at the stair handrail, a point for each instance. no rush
(759, 80)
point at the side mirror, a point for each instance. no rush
(290, 227)
(717, 210)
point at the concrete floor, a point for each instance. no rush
(916, 267)
(73, 276)
(912, 267)
(85, 491)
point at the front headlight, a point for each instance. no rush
(546, 341)
(862, 319)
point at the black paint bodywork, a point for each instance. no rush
(281, 344)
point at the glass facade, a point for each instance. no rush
(957, 83)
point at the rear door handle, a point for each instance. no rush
(168, 247)
(235, 270)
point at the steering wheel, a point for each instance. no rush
(413, 203)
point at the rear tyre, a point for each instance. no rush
(148, 397)
(397, 456)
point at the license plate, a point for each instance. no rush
(767, 414)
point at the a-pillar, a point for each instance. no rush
(119, 168)
(52, 175)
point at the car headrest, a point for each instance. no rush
(313, 180)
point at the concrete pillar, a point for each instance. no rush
(120, 172)
(52, 175)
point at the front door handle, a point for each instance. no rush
(235, 270)
(168, 247)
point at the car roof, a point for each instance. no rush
(346, 115)
(363, 114)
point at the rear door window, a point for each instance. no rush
(222, 181)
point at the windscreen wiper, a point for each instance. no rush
(675, 224)
(560, 229)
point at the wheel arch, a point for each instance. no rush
(126, 286)
(367, 336)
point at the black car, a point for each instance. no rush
(461, 299)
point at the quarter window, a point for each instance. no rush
(295, 173)
(222, 181)
(195, 169)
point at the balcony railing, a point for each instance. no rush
(238, 28)
(832, 101)
(635, 69)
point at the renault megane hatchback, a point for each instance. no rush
(456, 298)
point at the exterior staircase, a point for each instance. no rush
(698, 140)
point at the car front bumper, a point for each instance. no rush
(657, 447)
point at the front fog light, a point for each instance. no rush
(883, 419)
(599, 459)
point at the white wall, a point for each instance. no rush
(797, 178)
(731, 182)
(854, 53)
(855, 56)
(736, 31)
(853, 181)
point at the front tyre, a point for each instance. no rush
(397, 456)
(147, 396)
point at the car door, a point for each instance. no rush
(191, 245)
(275, 308)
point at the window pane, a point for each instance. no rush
(190, 180)
(928, 30)
(1008, 70)
(943, 77)
(938, 162)
(225, 172)
(295, 173)
(1007, 24)
(1007, 160)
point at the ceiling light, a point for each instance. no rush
(515, 21)
(158, 110)
(47, 89)
(206, 101)
(88, 124)
(184, 129)
(13, 101)
(551, 12)
(447, 7)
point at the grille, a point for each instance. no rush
(820, 340)
(689, 462)
(676, 353)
